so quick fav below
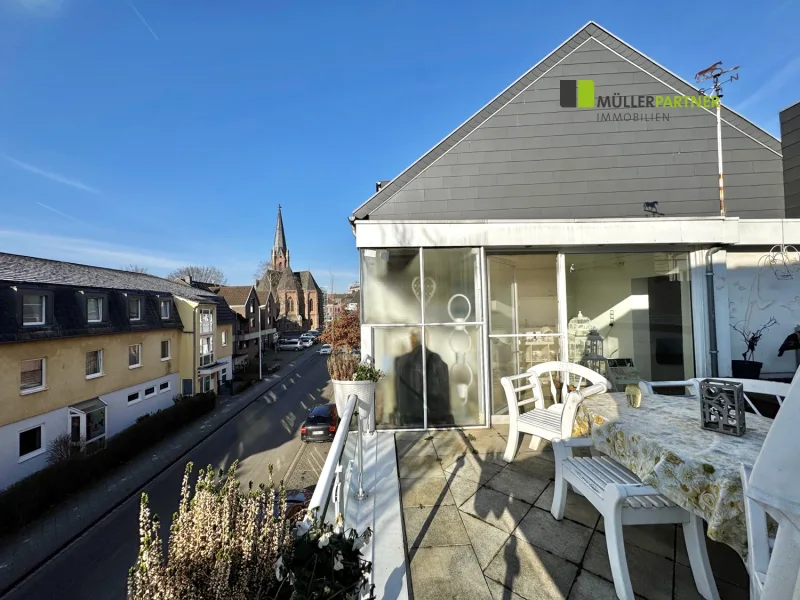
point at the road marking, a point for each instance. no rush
(295, 460)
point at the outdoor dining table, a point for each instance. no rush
(663, 444)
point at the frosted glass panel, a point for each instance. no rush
(452, 292)
(391, 286)
(453, 376)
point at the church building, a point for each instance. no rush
(297, 295)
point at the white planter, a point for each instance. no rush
(365, 390)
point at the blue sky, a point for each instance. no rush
(166, 132)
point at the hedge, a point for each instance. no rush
(30, 498)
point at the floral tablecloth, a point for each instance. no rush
(662, 442)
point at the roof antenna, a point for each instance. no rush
(713, 73)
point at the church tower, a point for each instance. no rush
(279, 261)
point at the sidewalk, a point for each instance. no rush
(22, 553)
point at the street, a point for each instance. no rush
(266, 432)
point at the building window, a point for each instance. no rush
(224, 338)
(310, 306)
(165, 350)
(252, 306)
(32, 376)
(163, 387)
(96, 424)
(135, 397)
(289, 305)
(187, 386)
(33, 309)
(94, 364)
(31, 443)
(149, 392)
(165, 309)
(206, 320)
(205, 384)
(134, 356)
(94, 310)
(206, 350)
(224, 375)
(135, 309)
(252, 322)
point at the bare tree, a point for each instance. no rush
(261, 269)
(199, 273)
(136, 269)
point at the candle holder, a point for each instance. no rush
(634, 395)
(722, 407)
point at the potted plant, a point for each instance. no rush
(350, 377)
(748, 368)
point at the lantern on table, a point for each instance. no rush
(593, 353)
(722, 406)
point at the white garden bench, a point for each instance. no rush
(623, 499)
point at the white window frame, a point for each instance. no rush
(138, 397)
(39, 388)
(224, 375)
(204, 358)
(43, 298)
(139, 364)
(203, 380)
(99, 300)
(99, 364)
(169, 350)
(224, 338)
(42, 449)
(153, 393)
(162, 389)
(207, 311)
(139, 311)
(162, 304)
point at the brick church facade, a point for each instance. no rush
(298, 297)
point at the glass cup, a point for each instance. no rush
(634, 395)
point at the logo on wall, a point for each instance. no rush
(577, 93)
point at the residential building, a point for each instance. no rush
(86, 352)
(255, 321)
(790, 142)
(542, 218)
(297, 296)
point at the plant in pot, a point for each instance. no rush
(748, 368)
(348, 376)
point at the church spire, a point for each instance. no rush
(280, 251)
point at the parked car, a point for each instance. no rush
(307, 343)
(321, 424)
(326, 349)
(295, 345)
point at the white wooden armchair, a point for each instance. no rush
(551, 422)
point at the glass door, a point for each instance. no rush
(524, 323)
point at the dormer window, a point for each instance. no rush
(135, 309)
(33, 309)
(94, 309)
(164, 309)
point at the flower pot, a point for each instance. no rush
(365, 390)
(746, 369)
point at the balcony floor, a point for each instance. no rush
(477, 528)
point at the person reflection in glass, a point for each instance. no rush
(409, 386)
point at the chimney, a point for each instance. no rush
(379, 185)
(187, 279)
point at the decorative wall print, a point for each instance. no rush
(793, 306)
(460, 308)
(784, 261)
(430, 288)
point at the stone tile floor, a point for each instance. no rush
(478, 528)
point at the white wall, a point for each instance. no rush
(121, 415)
(755, 295)
(11, 470)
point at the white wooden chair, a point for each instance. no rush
(554, 421)
(623, 499)
(751, 386)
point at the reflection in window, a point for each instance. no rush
(392, 287)
(95, 424)
(453, 376)
(398, 396)
(452, 291)
(641, 306)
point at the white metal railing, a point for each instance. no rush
(335, 476)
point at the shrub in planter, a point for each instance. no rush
(227, 544)
(748, 368)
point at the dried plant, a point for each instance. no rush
(342, 366)
(751, 338)
(60, 448)
(223, 543)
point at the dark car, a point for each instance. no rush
(321, 424)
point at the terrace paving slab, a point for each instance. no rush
(485, 539)
(563, 538)
(434, 526)
(578, 509)
(518, 485)
(499, 510)
(425, 491)
(447, 573)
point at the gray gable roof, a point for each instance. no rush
(29, 269)
(519, 158)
